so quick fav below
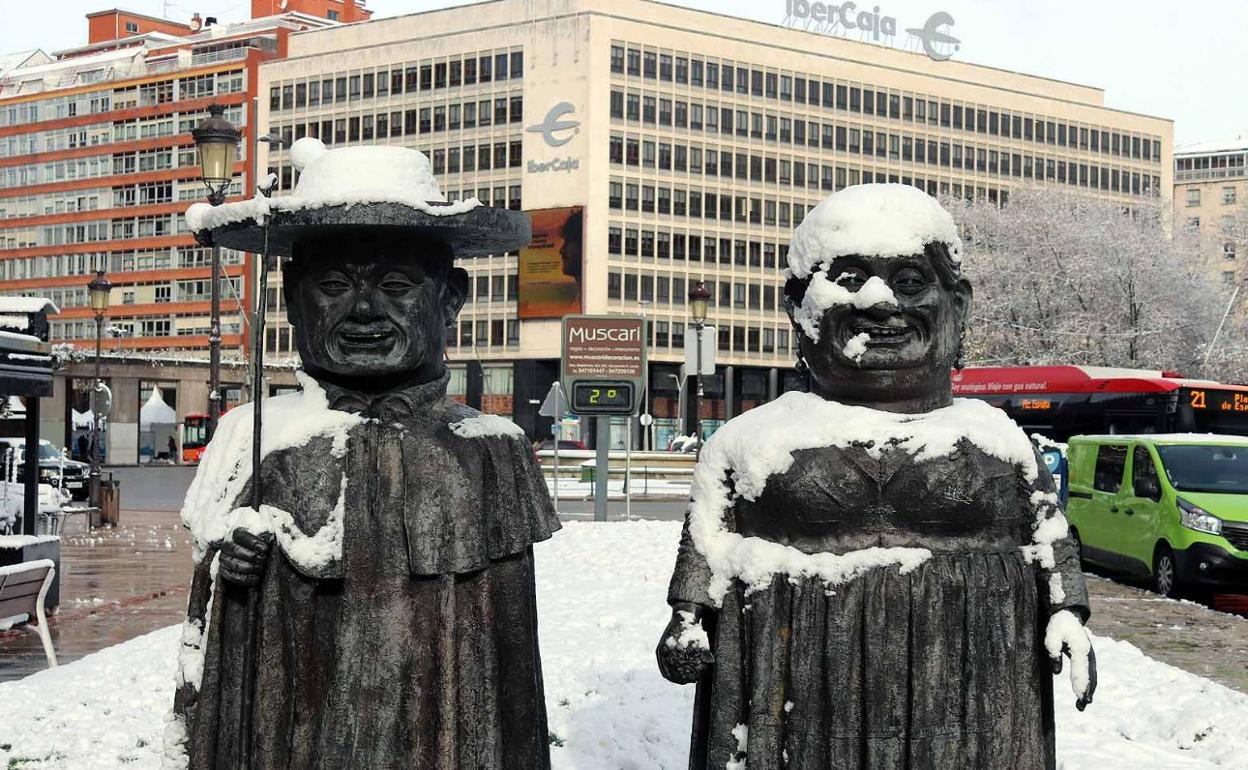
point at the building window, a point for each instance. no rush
(331, 15)
(1193, 196)
(1228, 196)
(1228, 250)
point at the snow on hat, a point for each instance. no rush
(884, 220)
(377, 187)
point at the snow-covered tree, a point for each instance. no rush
(1062, 277)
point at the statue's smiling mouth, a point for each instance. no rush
(366, 337)
(885, 334)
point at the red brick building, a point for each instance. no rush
(97, 165)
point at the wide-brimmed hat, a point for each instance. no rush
(377, 188)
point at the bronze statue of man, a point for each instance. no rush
(873, 574)
(378, 611)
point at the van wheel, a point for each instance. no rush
(1165, 573)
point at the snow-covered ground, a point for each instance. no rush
(601, 589)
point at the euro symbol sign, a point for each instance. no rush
(930, 34)
(555, 131)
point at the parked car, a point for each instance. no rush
(1170, 508)
(60, 472)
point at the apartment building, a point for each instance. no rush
(1211, 194)
(97, 165)
(695, 142)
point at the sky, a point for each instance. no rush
(1175, 60)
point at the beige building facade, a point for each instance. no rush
(699, 143)
(1211, 194)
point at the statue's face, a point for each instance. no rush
(911, 346)
(373, 309)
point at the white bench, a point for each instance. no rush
(23, 587)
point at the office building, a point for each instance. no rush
(695, 142)
(1210, 194)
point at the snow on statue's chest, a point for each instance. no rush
(757, 446)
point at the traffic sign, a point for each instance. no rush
(555, 405)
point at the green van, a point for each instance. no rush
(1172, 508)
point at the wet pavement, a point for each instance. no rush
(120, 583)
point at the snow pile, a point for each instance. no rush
(740, 457)
(486, 425)
(856, 348)
(822, 294)
(886, 220)
(601, 595)
(1065, 631)
(14, 321)
(289, 421)
(27, 305)
(342, 177)
(692, 634)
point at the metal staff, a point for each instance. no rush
(248, 684)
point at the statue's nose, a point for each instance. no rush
(365, 306)
(880, 311)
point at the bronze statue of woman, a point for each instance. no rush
(873, 574)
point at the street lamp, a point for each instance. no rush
(699, 300)
(217, 140)
(99, 291)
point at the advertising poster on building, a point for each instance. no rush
(550, 267)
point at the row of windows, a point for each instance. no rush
(785, 170)
(1229, 196)
(677, 245)
(160, 326)
(108, 100)
(870, 100)
(729, 121)
(60, 265)
(414, 122)
(96, 134)
(495, 332)
(142, 161)
(426, 76)
(152, 226)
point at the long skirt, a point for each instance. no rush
(940, 668)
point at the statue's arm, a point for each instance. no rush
(1064, 581)
(691, 579)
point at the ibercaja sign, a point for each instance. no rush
(604, 358)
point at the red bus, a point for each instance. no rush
(1064, 401)
(194, 437)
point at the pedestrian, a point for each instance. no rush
(173, 450)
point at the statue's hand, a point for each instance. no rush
(1065, 635)
(684, 652)
(243, 557)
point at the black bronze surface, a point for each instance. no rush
(416, 647)
(941, 667)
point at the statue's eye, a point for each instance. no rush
(397, 286)
(333, 286)
(909, 281)
(852, 279)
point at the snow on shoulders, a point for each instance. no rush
(887, 220)
(485, 425)
(749, 449)
(290, 420)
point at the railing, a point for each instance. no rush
(1210, 173)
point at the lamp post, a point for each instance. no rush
(217, 140)
(99, 290)
(699, 300)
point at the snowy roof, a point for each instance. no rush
(886, 220)
(12, 61)
(27, 305)
(1211, 148)
(342, 176)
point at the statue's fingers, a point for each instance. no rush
(1056, 665)
(251, 541)
(237, 566)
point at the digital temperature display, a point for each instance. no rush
(602, 397)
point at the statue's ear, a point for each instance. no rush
(292, 307)
(454, 292)
(962, 294)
